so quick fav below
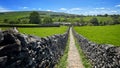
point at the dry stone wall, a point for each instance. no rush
(26, 51)
(100, 55)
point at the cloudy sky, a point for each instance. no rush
(86, 7)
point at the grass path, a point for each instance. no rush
(73, 60)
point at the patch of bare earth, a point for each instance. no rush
(73, 60)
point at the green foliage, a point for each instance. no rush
(34, 18)
(14, 22)
(106, 15)
(115, 20)
(24, 21)
(101, 34)
(82, 20)
(6, 20)
(43, 31)
(94, 21)
(47, 20)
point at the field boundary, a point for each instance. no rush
(100, 55)
(29, 25)
(85, 61)
(63, 60)
(19, 50)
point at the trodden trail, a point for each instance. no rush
(73, 60)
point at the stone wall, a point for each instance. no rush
(26, 51)
(100, 55)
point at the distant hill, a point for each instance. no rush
(25, 14)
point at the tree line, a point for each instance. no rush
(36, 18)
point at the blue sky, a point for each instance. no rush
(86, 7)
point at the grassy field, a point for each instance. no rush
(13, 15)
(43, 31)
(101, 34)
(102, 19)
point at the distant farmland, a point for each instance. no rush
(101, 34)
(23, 17)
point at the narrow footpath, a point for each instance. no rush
(73, 60)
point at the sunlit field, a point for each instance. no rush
(44, 31)
(101, 34)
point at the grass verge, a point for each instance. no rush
(85, 61)
(63, 61)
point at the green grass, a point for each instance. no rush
(85, 61)
(101, 34)
(13, 15)
(63, 61)
(43, 31)
(102, 19)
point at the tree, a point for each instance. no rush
(24, 21)
(115, 19)
(81, 21)
(6, 20)
(59, 20)
(94, 21)
(106, 15)
(47, 20)
(34, 18)
(13, 22)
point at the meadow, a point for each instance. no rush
(43, 31)
(100, 19)
(101, 34)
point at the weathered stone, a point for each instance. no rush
(1, 36)
(3, 60)
(101, 55)
(27, 51)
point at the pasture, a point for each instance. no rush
(43, 31)
(101, 34)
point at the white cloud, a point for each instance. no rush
(39, 8)
(117, 5)
(75, 9)
(2, 9)
(33, 8)
(25, 7)
(113, 11)
(95, 12)
(89, 11)
(70, 10)
(63, 9)
(49, 10)
(100, 8)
